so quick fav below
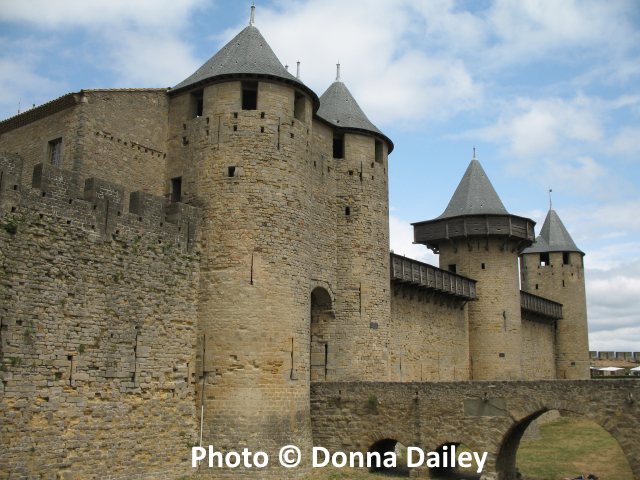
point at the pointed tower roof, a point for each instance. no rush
(475, 195)
(474, 210)
(553, 237)
(247, 55)
(340, 109)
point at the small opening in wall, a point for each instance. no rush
(159, 240)
(292, 135)
(338, 146)
(70, 201)
(95, 207)
(184, 126)
(314, 163)
(235, 114)
(452, 267)
(13, 209)
(501, 355)
(231, 171)
(347, 211)
(379, 152)
(565, 258)
(119, 213)
(351, 173)
(207, 132)
(537, 287)
(15, 187)
(68, 222)
(544, 259)
(185, 141)
(573, 364)
(117, 232)
(249, 95)
(298, 107)
(235, 128)
(161, 224)
(70, 357)
(207, 119)
(44, 194)
(483, 267)
(372, 177)
(41, 215)
(139, 219)
(261, 129)
(563, 283)
(261, 114)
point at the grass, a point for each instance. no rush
(570, 447)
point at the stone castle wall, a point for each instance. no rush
(429, 341)
(98, 332)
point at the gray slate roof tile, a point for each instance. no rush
(475, 195)
(553, 237)
(247, 53)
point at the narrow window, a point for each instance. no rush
(176, 189)
(338, 146)
(379, 151)
(501, 355)
(298, 106)
(351, 173)
(347, 211)
(249, 95)
(261, 129)
(483, 266)
(55, 151)
(235, 128)
(536, 286)
(452, 268)
(563, 283)
(231, 172)
(261, 114)
(185, 141)
(196, 105)
(565, 258)
(544, 259)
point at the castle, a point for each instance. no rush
(180, 265)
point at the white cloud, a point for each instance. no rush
(401, 241)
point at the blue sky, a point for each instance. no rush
(548, 93)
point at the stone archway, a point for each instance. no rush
(322, 321)
(505, 465)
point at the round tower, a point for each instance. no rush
(240, 133)
(477, 237)
(553, 267)
(357, 344)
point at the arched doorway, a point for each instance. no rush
(322, 316)
(569, 446)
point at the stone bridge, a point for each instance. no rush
(485, 416)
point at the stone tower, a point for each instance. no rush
(477, 237)
(295, 242)
(553, 267)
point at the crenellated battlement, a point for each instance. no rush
(100, 211)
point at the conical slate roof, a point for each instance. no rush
(475, 195)
(339, 108)
(553, 237)
(248, 53)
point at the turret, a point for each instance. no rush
(240, 131)
(477, 237)
(553, 267)
(357, 341)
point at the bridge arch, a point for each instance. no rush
(505, 464)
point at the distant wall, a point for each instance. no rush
(538, 350)
(429, 341)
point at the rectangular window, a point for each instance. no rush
(338, 146)
(176, 189)
(196, 105)
(231, 172)
(298, 107)
(544, 259)
(565, 258)
(55, 151)
(379, 151)
(249, 95)
(452, 268)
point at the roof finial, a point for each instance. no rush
(253, 10)
(474, 154)
(286, 67)
(550, 203)
(298, 72)
(338, 72)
